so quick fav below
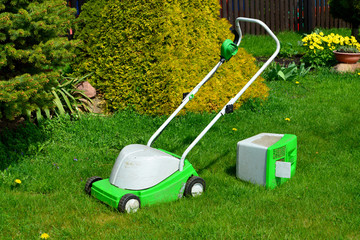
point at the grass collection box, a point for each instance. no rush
(267, 159)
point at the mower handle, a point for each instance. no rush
(233, 100)
(237, 36)
(267, 63)
(238, 33)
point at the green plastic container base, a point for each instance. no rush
(283, 150)
(168, 190)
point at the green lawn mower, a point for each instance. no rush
(143, 175)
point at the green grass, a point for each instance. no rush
(260, 46)
(320, 202)
(264, 45)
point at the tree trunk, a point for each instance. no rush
(355, 31)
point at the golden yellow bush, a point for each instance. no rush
(146, 54)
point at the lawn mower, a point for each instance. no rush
(143, 175)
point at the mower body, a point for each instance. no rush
(151, 174)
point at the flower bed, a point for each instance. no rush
(320, 47)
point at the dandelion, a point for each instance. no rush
(297, 82)
(17, 181)
(234, 129)
(287, 119)
(44, 236)
(358, 73)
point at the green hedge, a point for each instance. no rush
(146, 54)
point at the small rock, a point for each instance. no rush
(97, 105)
(346, 67)
(89, 90)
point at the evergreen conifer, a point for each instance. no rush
(33, 50)
(146, 54)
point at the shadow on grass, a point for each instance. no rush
(231, 170)
(213, 162)
(15, 143)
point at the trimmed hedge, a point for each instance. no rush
(146, 54)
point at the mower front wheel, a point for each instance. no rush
(195, 186)
(90, 182)
(129, 203)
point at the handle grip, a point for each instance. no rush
(237, 36)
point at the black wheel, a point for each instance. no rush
(129, 203)
(195, 186)
(90, 182)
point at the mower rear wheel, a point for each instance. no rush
(129, 203)
(90, 182)
(195, 186)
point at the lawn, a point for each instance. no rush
(54, 159)
(260, 46)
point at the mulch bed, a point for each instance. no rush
(282, 61)
(14, 124)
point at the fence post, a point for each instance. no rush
(309, 15)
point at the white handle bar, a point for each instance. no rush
(233, 100)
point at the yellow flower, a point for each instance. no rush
(18, 181)
(234, 129)
(297, 82)
(321, 34)
(287, 119)
(44, 236)
(311, 47)
(358, 73)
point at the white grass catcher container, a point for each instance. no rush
(267, 159)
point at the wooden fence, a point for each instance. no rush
(281, 15)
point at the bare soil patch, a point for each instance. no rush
(282, 60)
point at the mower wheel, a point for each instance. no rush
(90, 182)
(129, 203)
(195, 186)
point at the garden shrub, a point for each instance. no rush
(319, 48)
(291, 72)
(146, 54)
(32, 53)
(349, 11)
